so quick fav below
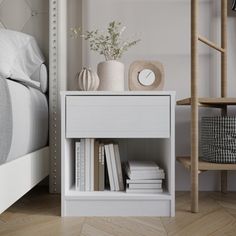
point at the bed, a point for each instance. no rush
(24, 116)
(47, 22)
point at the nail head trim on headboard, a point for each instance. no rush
(58, 82)
(53, 95)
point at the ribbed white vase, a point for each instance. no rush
(111, 75)
(88, 80)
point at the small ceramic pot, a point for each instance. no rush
(88, 80)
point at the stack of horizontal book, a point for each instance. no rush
(93, 162)
(144, 177)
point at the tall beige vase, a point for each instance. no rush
(111, 75)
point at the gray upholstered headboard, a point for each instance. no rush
(46, 20)
(31, 17)
(28, 16)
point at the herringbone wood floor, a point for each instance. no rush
(38, 214)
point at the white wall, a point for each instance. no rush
(164, 28)
(74, 46)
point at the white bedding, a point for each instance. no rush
(29, 119)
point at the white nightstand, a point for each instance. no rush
(125, 116)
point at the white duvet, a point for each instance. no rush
(29, 119)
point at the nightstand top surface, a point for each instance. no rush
(118, 93)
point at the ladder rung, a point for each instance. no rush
(211, 44)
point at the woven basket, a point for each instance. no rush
(218, 139)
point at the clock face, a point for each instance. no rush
(146, 77)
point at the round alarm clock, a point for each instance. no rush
(146, 75)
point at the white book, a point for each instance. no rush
(101, 169)
(119, 168)
(146, 174)
(114, 167)
(77, 165)
(142, 165)
(145, 186)
(87, 165)
(82, 165)
(143, 172)
(109, 167)
(141, 181)
(96, 166)
(150, 191)
(91, 164)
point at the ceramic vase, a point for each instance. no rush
(111, 74)
(88, 80)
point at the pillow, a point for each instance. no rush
(20, 55)
(41, 75)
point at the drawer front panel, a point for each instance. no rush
(117, 116)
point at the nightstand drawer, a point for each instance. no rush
(117, 116)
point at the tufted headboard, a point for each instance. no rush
(28, 16)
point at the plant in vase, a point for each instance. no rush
(111, 45)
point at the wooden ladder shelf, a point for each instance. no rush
(194, 163)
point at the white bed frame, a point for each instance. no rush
(19, 176)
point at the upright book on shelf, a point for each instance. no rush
(90, 166)
(119, 167)
(91, 156)
(109, 168)
(77, 165)
(82, 165)
(96, 166)
(87, 165)
(101, 170)
(114, 167)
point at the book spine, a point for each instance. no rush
(109, 168)
(96, 166)
(147, 175)
(144, 186)
(87, 165)
(82, 165)
(100, 171)
(148, 191)
(103, 169)
(114, 167)
(91, 164)
(76, 165)
(143, 181)
(119, 168)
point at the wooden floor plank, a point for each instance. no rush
(38, 214)
(208, 224)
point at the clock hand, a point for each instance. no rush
(149, 74)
